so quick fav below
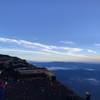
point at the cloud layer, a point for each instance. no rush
(91, 81)
(62, 68)
(69, 68)
(57, 53)
(39, 46)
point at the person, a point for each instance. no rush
(87, 96)
(69, 97)
(2, 88)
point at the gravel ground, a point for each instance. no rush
(37, 89)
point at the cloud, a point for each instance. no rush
(71, 49)
(25, 43)
(97, 44)
(89, 69)
(92, 51)
(61, 68)
(69, 53)
(92, 79)
(69, 68)
(46, 48)
(24, 51)
(68, 42)
(54, 53)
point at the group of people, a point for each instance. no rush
(68, 97)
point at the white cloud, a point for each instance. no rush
(71, 49)
(25, 43)
(61, 68)
(40, 46)
(92, 79)
(89, 69)
(24, 51)
(92, 51)
(68, 42)
(68, 68)
(97, 44)
(69, 53)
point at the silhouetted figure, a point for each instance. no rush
(2, 88)
(87, 96)
(69, 97)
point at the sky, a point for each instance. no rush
(51, 30)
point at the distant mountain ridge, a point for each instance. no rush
(66, 64)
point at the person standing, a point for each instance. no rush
(87, 96)
(2, 88)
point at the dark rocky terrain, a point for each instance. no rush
(30, 87)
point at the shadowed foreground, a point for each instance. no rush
(37, 89)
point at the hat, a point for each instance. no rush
(87, 93)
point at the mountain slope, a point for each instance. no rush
(31, 86)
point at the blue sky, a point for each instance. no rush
(51, 30)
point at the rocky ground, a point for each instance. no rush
(30, 88)
(37, 89)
